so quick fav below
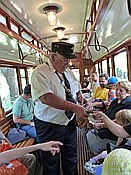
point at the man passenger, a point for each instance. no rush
(100, 96)
(23, 112)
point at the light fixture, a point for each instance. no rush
(51, 9)
(59, 31)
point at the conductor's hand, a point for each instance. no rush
(81, 115)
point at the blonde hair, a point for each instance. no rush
(117, 161)
(124, 116)
(125, 84)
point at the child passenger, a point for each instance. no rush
(112, 87)
(122, 117)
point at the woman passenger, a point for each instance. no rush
(98, 138)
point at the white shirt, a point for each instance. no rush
(45, 80)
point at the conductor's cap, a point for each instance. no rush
(64, 49)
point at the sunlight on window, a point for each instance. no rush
(76, 73)
(121, 65)
(8, 87)
(104, 66)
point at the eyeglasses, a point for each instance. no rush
(63, 60)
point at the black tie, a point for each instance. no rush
(69, 96)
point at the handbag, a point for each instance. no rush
(14, 167)
(16, 135)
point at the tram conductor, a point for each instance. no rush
(55, 91)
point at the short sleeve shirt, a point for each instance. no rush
(45, 80)
(101, 93)
(111, 95)
(23, 108)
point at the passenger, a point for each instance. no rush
(122, 118)
(94, 82)
(97, 139)
(85, 84)
(117, 162)
(112, 87)
(100, 96)
(120, 131)
(18, 153)
(29, 160)
(55, 90)
(23, 112)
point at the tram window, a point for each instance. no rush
(2, 20)
(96, 67)
(104, 66)
(86, 71)
(14, 27)
(23, 78)
(76, 73)
(121, 65)
(110, 67)
(8, 87)
(29, 70)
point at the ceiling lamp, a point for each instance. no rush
(51, 9)
(59, 31)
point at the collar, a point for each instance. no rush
(125, 100)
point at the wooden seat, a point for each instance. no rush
(6, 124)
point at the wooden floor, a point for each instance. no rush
(83, 152)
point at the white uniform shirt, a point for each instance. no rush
(45, 80)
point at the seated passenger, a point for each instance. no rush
(112, 87)
(117, 162)
(94, 82)
(29, 160)
(85, 83)
(23, 109)
(122, 117)
(97, 139)
(100, 96)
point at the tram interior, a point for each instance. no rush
(99, 29)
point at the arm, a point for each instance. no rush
(17, 119)
(81, 98)
(17, 113)
(113, 127)
(51, 99)
(119, 141)
(52, 146)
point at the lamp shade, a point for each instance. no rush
(51, 10)
(59, 31)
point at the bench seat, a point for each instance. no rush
(6, 124)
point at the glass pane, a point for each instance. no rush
(22, 72)
(76, 73)
(96, 66)
(121, 65)
(104, 66)
(14, 27)
(86, 71)
(2, 20)
(30, 70)
(23, 81)
(8, 87)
